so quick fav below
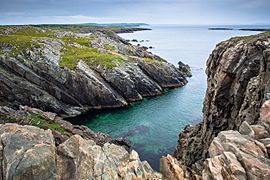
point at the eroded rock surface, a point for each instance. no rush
(29, 152)
(237, 85)
(69, 73)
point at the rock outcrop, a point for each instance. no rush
(61, 129)
(231, 155)
(29, 152)
(237, 85)
(69, 73)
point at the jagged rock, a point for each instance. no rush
(27, 152)
(224, 166)
(265, 114)
(260, 131)
(171, 169)
(238, 81)
(36, 78)
(83, 159)
(236, 156)
(184, 69)
(246, 129)
(62, 129)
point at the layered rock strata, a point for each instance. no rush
(71, 73)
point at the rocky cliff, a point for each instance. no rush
(237, 85)
(242, 154)
(69, 73)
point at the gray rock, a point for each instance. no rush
(27, 153)
(246, 129)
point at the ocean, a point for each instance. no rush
(154, 124)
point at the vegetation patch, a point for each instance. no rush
(18, 44)
(251, 38)
(38, 121)
(33, 32)
(109, 47)
(79, 40)
(72, 55)
(7, 118)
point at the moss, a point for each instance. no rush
(149, 60)
(19, 44)
(57, 127)
(79, 40)
(109, 47)
(71, 55)
(38, 121)
(8, 119)
(33, 32)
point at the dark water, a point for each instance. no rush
(153, 125)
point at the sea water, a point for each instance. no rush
(153, 125)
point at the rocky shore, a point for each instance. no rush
(52, 148)
(231, 142)
(238, 85)
(69, 73)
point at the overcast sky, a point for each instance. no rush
(148, 11)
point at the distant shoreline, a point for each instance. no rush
(238, 29)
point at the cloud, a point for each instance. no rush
(149, 11)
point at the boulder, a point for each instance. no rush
(83, 159)
(27, 152)
(236, 156)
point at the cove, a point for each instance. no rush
(153, 124)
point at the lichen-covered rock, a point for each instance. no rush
(27, 152)
(238, 79)
(83, 159)
(236, 156)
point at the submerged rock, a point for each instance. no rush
(137, 130)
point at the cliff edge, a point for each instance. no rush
(238, 83)
(69, 73)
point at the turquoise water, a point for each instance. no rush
(153, 125)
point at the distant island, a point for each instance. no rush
(92, 27)
(239, 29)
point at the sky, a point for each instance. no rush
(186, 12)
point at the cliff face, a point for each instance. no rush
(237, 85)
(70, 73)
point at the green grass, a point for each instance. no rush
(18, 43)
(8, 118)
(72, 55)
(38, 121)
(109, 47)
(79, 40)
(33, 32)
(57, 127)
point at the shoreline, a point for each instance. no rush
(238, 29)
